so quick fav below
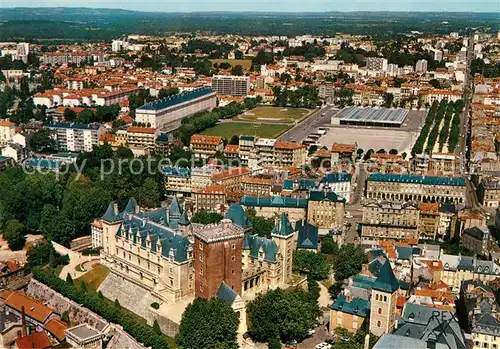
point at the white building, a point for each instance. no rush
(421, 66)
(376, 63)
(7, 131)
(231, 85)
(164, 111)
(76, 137)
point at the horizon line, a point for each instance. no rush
(247, 11)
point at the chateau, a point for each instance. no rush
(162, 252)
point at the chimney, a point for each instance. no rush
(116, 207)
(23, 323)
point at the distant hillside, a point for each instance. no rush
(85, 24)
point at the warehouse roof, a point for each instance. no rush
(382, 115)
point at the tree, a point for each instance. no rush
(262, 226)
(349, 260)
(204, 217)
(163, 93)
(86, 116)
(235, 140)
(149, 194)
(393, 152)
(274, 343)
(156, 328)
(435, 83)
(69, 114)
(368, 154)
(388, 99)
(208, 323)
(279, 313)
(14, 233)
(42, 141)
(381, 151)
(329, 246)
(237, 70)
(39, 254)
(83, 288)
(55, 226)
(69, 278)
(315, 265)
(124, 153)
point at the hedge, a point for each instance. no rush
(141, 332)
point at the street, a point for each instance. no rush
(309, 125)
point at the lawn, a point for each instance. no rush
(274, 114)
(229, 129)
(93, 278)
(245, 63)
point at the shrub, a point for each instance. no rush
(155, 305)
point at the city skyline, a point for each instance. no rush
(274, 6)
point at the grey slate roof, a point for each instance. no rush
(393, 341)
(226, 293)
(238, 216)
(307, 235)
(283, 226)
(386, 281)
(426, 323)
(256, 243)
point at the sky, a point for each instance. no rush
(269, 5)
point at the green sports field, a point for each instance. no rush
(227, 130)
(273, 115)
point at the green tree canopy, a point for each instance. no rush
(315, 265)
(15, 234)
(204, 217)
(286, 314)
(349, 260)
(208, 323)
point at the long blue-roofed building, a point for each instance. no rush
(402, 187)
(174, 108)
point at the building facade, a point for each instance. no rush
(412, 187)
(231, 85)
(326, 210)
(205, 146)
(390, 220)
(76, 137)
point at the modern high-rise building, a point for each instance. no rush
(376, 63)
(421, 66)
(76, 137)
(23, 49)
(231, 85)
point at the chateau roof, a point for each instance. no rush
(357, 306)
(226, 293)
(257, 244)
(283, 226)
(307, 235)
(238, 216)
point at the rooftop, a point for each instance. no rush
(374, 115)
(428, 180)
(176, 99)
(225, 230)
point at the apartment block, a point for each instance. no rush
(76, 137)
(231, 85)
(210, 199)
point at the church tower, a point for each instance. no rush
(383, 301)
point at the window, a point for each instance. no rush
(379, 311)
(201, 258)
(379, 324)
(233, 246)
(233, 258)
(385, 298)
(232, 271)
(201, 245)
(201, 271)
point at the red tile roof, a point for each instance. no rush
(36, 340)
(56, 327)
(203, 139)
(32, 308)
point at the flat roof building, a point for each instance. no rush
(231, 85)
(382, 117)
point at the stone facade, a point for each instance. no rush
(382, 220)
(418, 188)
